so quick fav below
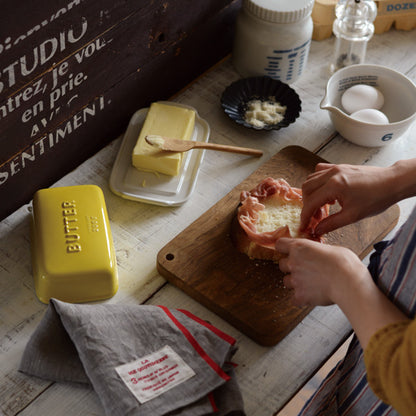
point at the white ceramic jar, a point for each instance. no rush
(272, 37)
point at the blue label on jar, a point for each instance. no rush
(287, 64)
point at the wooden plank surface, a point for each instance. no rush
(203, 261)
(73, 73)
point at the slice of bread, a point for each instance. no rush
(268, 212)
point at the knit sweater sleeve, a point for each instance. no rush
(390, 359)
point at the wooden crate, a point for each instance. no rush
(72, 72)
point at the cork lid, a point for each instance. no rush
(279, 11)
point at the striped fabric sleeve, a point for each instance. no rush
(390, 359)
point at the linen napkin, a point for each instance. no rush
(140, 359)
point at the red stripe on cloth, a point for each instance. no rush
(222, 335)
(196, 345)
(212, 401)
(235, 365)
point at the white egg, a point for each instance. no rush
(361, 96)
(370, 115)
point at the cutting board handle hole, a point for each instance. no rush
(170, 256)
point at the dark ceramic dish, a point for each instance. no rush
(235, 97)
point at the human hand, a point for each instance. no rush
(320, 274)
(361, 191)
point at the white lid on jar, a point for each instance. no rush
(279, 11)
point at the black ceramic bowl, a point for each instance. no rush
(235, 97)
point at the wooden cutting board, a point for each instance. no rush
(250, 294)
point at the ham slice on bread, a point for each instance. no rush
(268, 212)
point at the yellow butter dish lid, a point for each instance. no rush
(73, 255)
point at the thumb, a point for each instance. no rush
(283, 245)
(331, 223)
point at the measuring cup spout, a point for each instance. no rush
(326, 105)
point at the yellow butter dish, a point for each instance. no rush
(73, 255)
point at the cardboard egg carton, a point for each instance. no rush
(398, 13)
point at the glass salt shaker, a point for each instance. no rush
(353, 28)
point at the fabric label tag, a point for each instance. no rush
(154, 374)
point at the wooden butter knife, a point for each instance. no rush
(176, 145)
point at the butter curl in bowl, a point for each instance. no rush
(261, 103)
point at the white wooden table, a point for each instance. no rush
(268, 376)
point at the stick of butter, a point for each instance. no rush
(163, 120)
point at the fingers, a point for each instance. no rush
(316, 194)
(320, 169)
(310, 207)
(314, 181)
(286, 245)
(297, 298)
(331, 223)
(287, 281)
(283, 245)
(323, 166)
(313, 199)
(292, 248)
(284, 265)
